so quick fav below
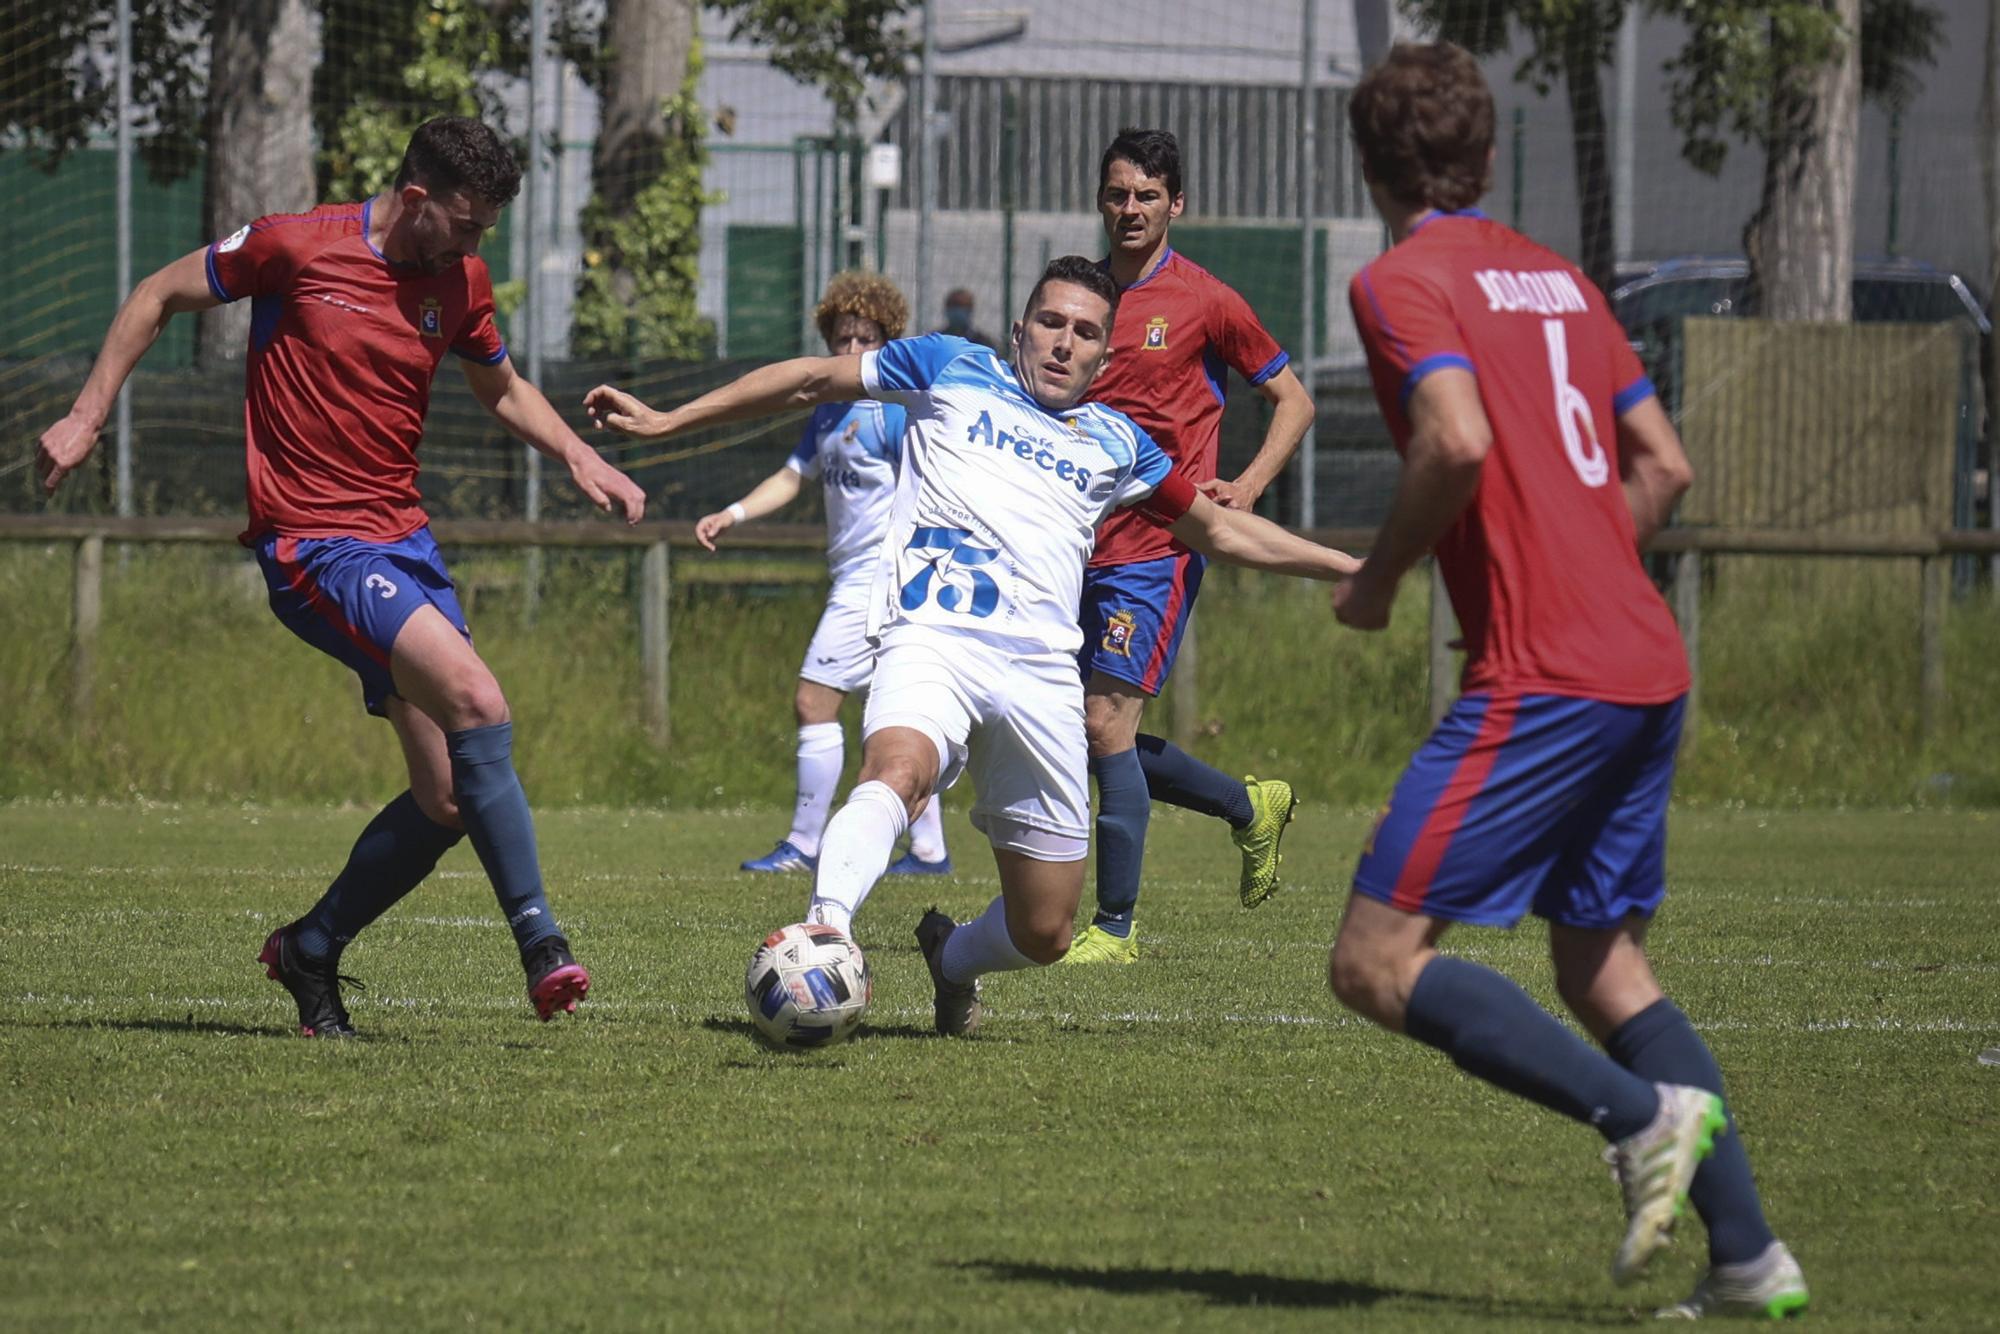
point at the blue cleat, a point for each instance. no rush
(784, 857)
(911, 864)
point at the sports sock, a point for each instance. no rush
(400, 846)
(927, 833)
(822, 750)
(982, 945)
(1659, 1043)
(496, 816)
(1493, 1030)
(1179, 779)
(859, 839)
(1123, 808)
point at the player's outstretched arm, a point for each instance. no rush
(802, 382)
(1449, 439)
(1292, 413)
(522, 409)
(179, 287)
(1653, 466)
(1242, 538)
(769, 496)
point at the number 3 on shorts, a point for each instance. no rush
(960, 586)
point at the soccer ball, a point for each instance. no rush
(808, 986)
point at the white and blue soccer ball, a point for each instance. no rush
(808, 986)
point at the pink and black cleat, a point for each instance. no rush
(314, 984)
(556, 981)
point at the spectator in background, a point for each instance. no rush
(958, 304)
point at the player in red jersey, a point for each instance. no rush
(353, 307)
(1537, 462)
(1180, 331)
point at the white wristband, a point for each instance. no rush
(736, 511)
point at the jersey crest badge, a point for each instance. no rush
(430, 317)
(1156, 335)
(1118, 633)
(233, 241)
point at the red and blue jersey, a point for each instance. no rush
(1179, 332)
(344, 345)
(1543, 566)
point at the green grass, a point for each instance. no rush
(1200, 1142)
(1809, 688)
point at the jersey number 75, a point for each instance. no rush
(952, 567)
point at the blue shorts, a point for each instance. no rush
(1515, 803)
(349, 597)
(1133, 617)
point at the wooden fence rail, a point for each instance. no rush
(655, 541)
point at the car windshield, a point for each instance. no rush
(1676, 298)
(1918, 301)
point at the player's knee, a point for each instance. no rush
(438, 805)
(901, 774)
(476, 703)
(1043, 937)
(1359, 978)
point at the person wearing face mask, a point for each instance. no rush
(1007, 474)
(853, 450)
(958, 306)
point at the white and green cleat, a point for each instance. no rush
(1655, 1167)
(1096, 945)
(1770, 1287)
(1271, 805)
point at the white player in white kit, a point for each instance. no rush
(1005, 478)
(853, 451)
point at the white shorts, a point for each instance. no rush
(840, 656)
(1014, 721)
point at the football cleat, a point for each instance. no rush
(1271, 807)
(1654, 1167)
(955, 1007)
(1096, 945)
(1770, 1287)
(784, 857)
(556, 981)
(314, 984)
(911, 864)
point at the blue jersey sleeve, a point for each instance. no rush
(1150, 465)
(804, 460)
(894, 419)
(910, 365)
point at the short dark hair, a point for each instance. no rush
(1084, 273)
(460, 155)
(1423, 122)
(1155, 152)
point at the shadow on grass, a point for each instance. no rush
(189, 1025)
(745, 1029)
(1230, 1287)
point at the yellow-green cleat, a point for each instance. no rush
(1097, 945)
(1271, 807)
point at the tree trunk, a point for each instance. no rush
(1801, 239)
(1597, 255)
(649, 42)
(260, 160)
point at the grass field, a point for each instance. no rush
(1198, 1142)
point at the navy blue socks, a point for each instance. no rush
(1494, 1030)
(1179, 779)
(1123, 808)
(495, 812)
(1659, 1044)
(400, 846)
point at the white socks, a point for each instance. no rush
(821, 753)
(927, 834)
(859, 840)
(983, 946)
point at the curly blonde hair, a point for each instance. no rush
(868, 295)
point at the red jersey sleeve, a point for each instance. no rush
(1407, 325)
(478, 338)
(1235, 332)
(1631, 386)
(252, 261)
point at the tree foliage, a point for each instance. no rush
(836, 46)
